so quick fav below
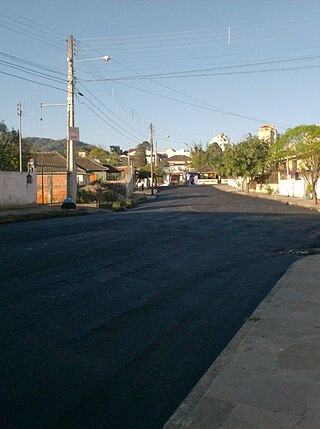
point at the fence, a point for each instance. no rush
(18, 189)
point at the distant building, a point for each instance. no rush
(268, 133)
(222, 140)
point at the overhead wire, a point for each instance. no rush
(31, 31)
(54, 32)
(259, 26)
(111, 92)
(200, 72)
(32, 81)
(107, 123)
(31, 63)
(33, 72)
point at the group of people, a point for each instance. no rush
(191, 179)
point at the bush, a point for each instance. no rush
(116, 206)
(268, 189)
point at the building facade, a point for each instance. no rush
(222, 140)
(268, 133)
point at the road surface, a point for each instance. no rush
(109, 320)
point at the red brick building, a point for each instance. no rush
(51, 177)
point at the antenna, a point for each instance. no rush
(229, 35)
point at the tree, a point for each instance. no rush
(215, 158)
(9, 150)
(116, 150)
(198, 155)
(303, 144)
(140, 158)
(248, 159)
(100, 154)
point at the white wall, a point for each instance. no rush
(292, 188)
(15, 192)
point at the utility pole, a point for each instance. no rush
(20, 136)
(71, 164)
(156, 154)
(151, 150)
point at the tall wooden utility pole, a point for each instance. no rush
(71, 164)
(151, 150)
(20, 136)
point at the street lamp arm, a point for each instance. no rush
(105, 58)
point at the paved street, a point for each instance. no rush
(109, 320)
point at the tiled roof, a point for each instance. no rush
(111, 168)
(179, 158)
(89, 164)
(206, 169)
(51, 162)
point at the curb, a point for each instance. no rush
(181, 417)
(10, 218)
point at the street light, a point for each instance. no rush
(106, 58)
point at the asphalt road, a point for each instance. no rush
(108, 321)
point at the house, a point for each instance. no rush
(178, 166)
(207, 175)
(93, 171)
(51, 177)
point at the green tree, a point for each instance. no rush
(248, 159)
(9, 150)
(198, 155)
(140, 158)
(215, 158)
(101, 154)
(116, 150)
(303, 144)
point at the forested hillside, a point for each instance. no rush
(37, 144)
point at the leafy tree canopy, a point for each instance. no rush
(198, 155)
(116, 149)
(248, 159)
(303, 144)
(9, 150)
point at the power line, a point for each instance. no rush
(258, 26)
(186, 74)
(27, 34)
(33, 81)
(109, 125)
(125, 106)
(204, 107)
(35, 22)
(31, 63)
(33, 72)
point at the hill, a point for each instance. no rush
(37, 144)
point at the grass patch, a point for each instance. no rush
(40, 216)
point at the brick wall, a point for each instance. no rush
(51, 188)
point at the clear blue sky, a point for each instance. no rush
(267, 72)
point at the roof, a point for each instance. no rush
(206, 169)
(50, 162)
(89, 164)
(179, 158)
(111, 168)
